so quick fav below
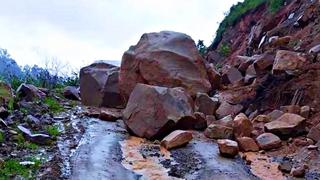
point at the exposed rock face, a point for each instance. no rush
(99, 86)
(242, 126)
(5, 93)
(288, 61)
(72, 93)
(247, 144)
(153, 111)
(176, 139)
(287, 124)
(268, 141)
(228, 147)
(205, 104)
(168, 59)
(29, 92)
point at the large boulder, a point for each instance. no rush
(231, 75)
(29, 92)
(154, 111)
(289, 62)
(287, 124)
(99, 86)
(168, 59)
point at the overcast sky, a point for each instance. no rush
(81, 31)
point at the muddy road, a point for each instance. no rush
(105, 150)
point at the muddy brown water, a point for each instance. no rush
(106, 151)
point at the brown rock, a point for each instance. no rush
(176, 139)
(226, 121)
(205, 104)
(267, 141)
(153, 111)
(314, 133)
(242, 126)
(263, 63)
(168, 59)
(72, 93)
(217, 131)
(262, 118)
(210, 119)
(109, 114)
(231, 75)
(226, 109)
(251, 74)
(305, 111)
(247, 144)
(29, 92)
(288, 61)
(214, 77)
(99, 86)
(228, 147)
(287, 124)
(275, 114)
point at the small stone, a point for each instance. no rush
(268, 141)
(13, 132)
(285, 165)
(176, 139)
(228, 148)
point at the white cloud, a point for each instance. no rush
(82, 31)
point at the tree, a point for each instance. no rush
(201, 48)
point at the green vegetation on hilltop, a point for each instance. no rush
(240, 9)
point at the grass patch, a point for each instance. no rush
(2, 138)
(31, 146)
(11, 168)
(53, 131)
(53, 104)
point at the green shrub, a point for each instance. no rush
(201, 48)
(224, 49)
(275, 5)
(53, 131)
(53, 104)
(31, 146)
